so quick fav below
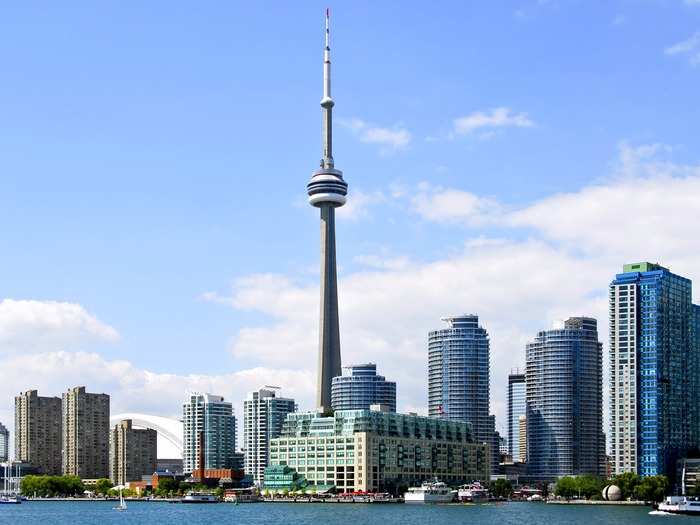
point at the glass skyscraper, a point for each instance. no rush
(4, 443)
(360, 386)
(458, 377)
(208, 419)
(564, 384)
(654, 347)
(516, 408)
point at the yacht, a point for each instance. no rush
(199, 497)
(473, 493)
(429, 492)
(122, 503)
(680, 505)
(10, 491)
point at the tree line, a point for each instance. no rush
(632, 486)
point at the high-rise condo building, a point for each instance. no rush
(132, 452)
(38, 432)
(564, 375)
(522, 438)
(516, 409)
(654, 375)
(360, 387)
(263, 416)
(327, 191)
(208, 420)
(85, 434)
(458, 375)
(4, 443)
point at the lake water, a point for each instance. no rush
(101, 513)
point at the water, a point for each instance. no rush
(101, 513)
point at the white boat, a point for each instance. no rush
(199, 497)
(473, 493)
(122, 503)
(680, 505)
(535, 497)
(429, 492)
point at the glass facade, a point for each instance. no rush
(458, 378)
(516, 408)
(4, 443)
(212, 416)
(654, 370)
(564, 414)
(360, 386)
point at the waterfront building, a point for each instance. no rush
(374, 450)
(522, 438)
(208, 424)
(360, 387)
(38, 432)
(4, 443)
(458, 377)
(133, 452)
(85, 434)
(516, 408)
(564, 376)
(263, 416)
(327, 191)
(654, 372)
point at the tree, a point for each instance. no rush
(102, 486)
(501, 488)
(167, 486)
(626, 482)
(652, 488)
(566, 487)
(589, 486)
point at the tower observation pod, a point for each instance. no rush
(327, 191)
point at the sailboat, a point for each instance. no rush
(10, 495)
(122, 503)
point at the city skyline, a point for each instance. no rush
(123, 300)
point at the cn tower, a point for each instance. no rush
(327, 191)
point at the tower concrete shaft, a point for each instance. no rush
(327, 191)
(329, 330)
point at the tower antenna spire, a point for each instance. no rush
(327, 101)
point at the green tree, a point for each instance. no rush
(501, 488)
(627, 483)
(566, 487)
(589, 486)
(102, 486)
(652, 488)
(167, 486)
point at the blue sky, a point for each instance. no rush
(153, 162)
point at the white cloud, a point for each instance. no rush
(454, 206)
(359, 203)
(31, 326)
(496, 118)
(689, 47)
(390, 139)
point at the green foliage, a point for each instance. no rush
(566, 487)
(627, 482)
(167, 486)
(102, 486)
(501, 488)
(52, 486)
(651, 488)
(584, 486)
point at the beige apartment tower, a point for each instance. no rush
(85, 434)
(38, 431)
(522, 438)
(132, 452)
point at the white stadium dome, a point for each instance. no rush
(169, 432)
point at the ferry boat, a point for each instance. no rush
(680, 505)
(473, 493)
(429, 492)
(199, 497)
